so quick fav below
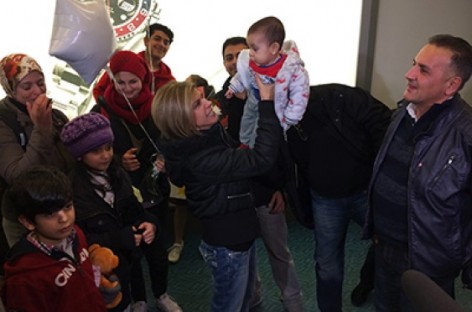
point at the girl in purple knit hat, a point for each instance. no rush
(106, 208)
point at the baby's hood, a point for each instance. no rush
(290, 48)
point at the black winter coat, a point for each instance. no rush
(217, 177)
(233, 108)
(338, 138)
(132, 135)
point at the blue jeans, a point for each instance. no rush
(390, 263)
(332, 217)
(233, 274)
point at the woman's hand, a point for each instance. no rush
(266, 91)
(149, 231)
(129, 160)
(40, 111)
(160, 164)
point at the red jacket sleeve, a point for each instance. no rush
(100, 86)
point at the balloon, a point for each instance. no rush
(83, 36)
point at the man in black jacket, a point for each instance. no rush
(420, 193)
(334, 147)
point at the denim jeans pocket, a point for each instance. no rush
(209, 254)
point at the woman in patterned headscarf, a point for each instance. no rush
(29, 128)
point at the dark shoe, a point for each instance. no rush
(360, 294)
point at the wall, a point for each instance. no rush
(404, 26)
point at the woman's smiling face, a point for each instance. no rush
(203, 112)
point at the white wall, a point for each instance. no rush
(327, 33)
(404, 26)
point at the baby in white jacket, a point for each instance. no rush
(274, 62)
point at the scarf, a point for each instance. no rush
(118, 104)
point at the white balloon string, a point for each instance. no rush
(149, 56)
(120, 90)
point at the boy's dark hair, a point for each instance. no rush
(199, 81)
(156, 26)
(39, 190)
(233, 41)
(461, 54)
(272, 28)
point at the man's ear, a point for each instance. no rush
(454, 85)
(26, 223)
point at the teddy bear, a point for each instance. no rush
(109, 286)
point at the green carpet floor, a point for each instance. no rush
(190, 281)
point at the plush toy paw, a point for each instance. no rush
(111, 294)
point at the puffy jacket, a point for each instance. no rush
(41, 148)
(439, 193)
(292, 88)
(217, 176)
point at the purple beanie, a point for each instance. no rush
(86, 133)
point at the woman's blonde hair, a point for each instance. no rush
(172, 110)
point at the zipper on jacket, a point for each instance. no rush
(238, 196)
(446, 165)
(75, 260)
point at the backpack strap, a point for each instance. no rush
(9, 117)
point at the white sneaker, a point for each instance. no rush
(139, 306)
(174, 252)
(166, 304)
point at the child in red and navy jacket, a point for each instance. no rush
(49, 268)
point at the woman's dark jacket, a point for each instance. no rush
(124, 141)
(217, 177)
